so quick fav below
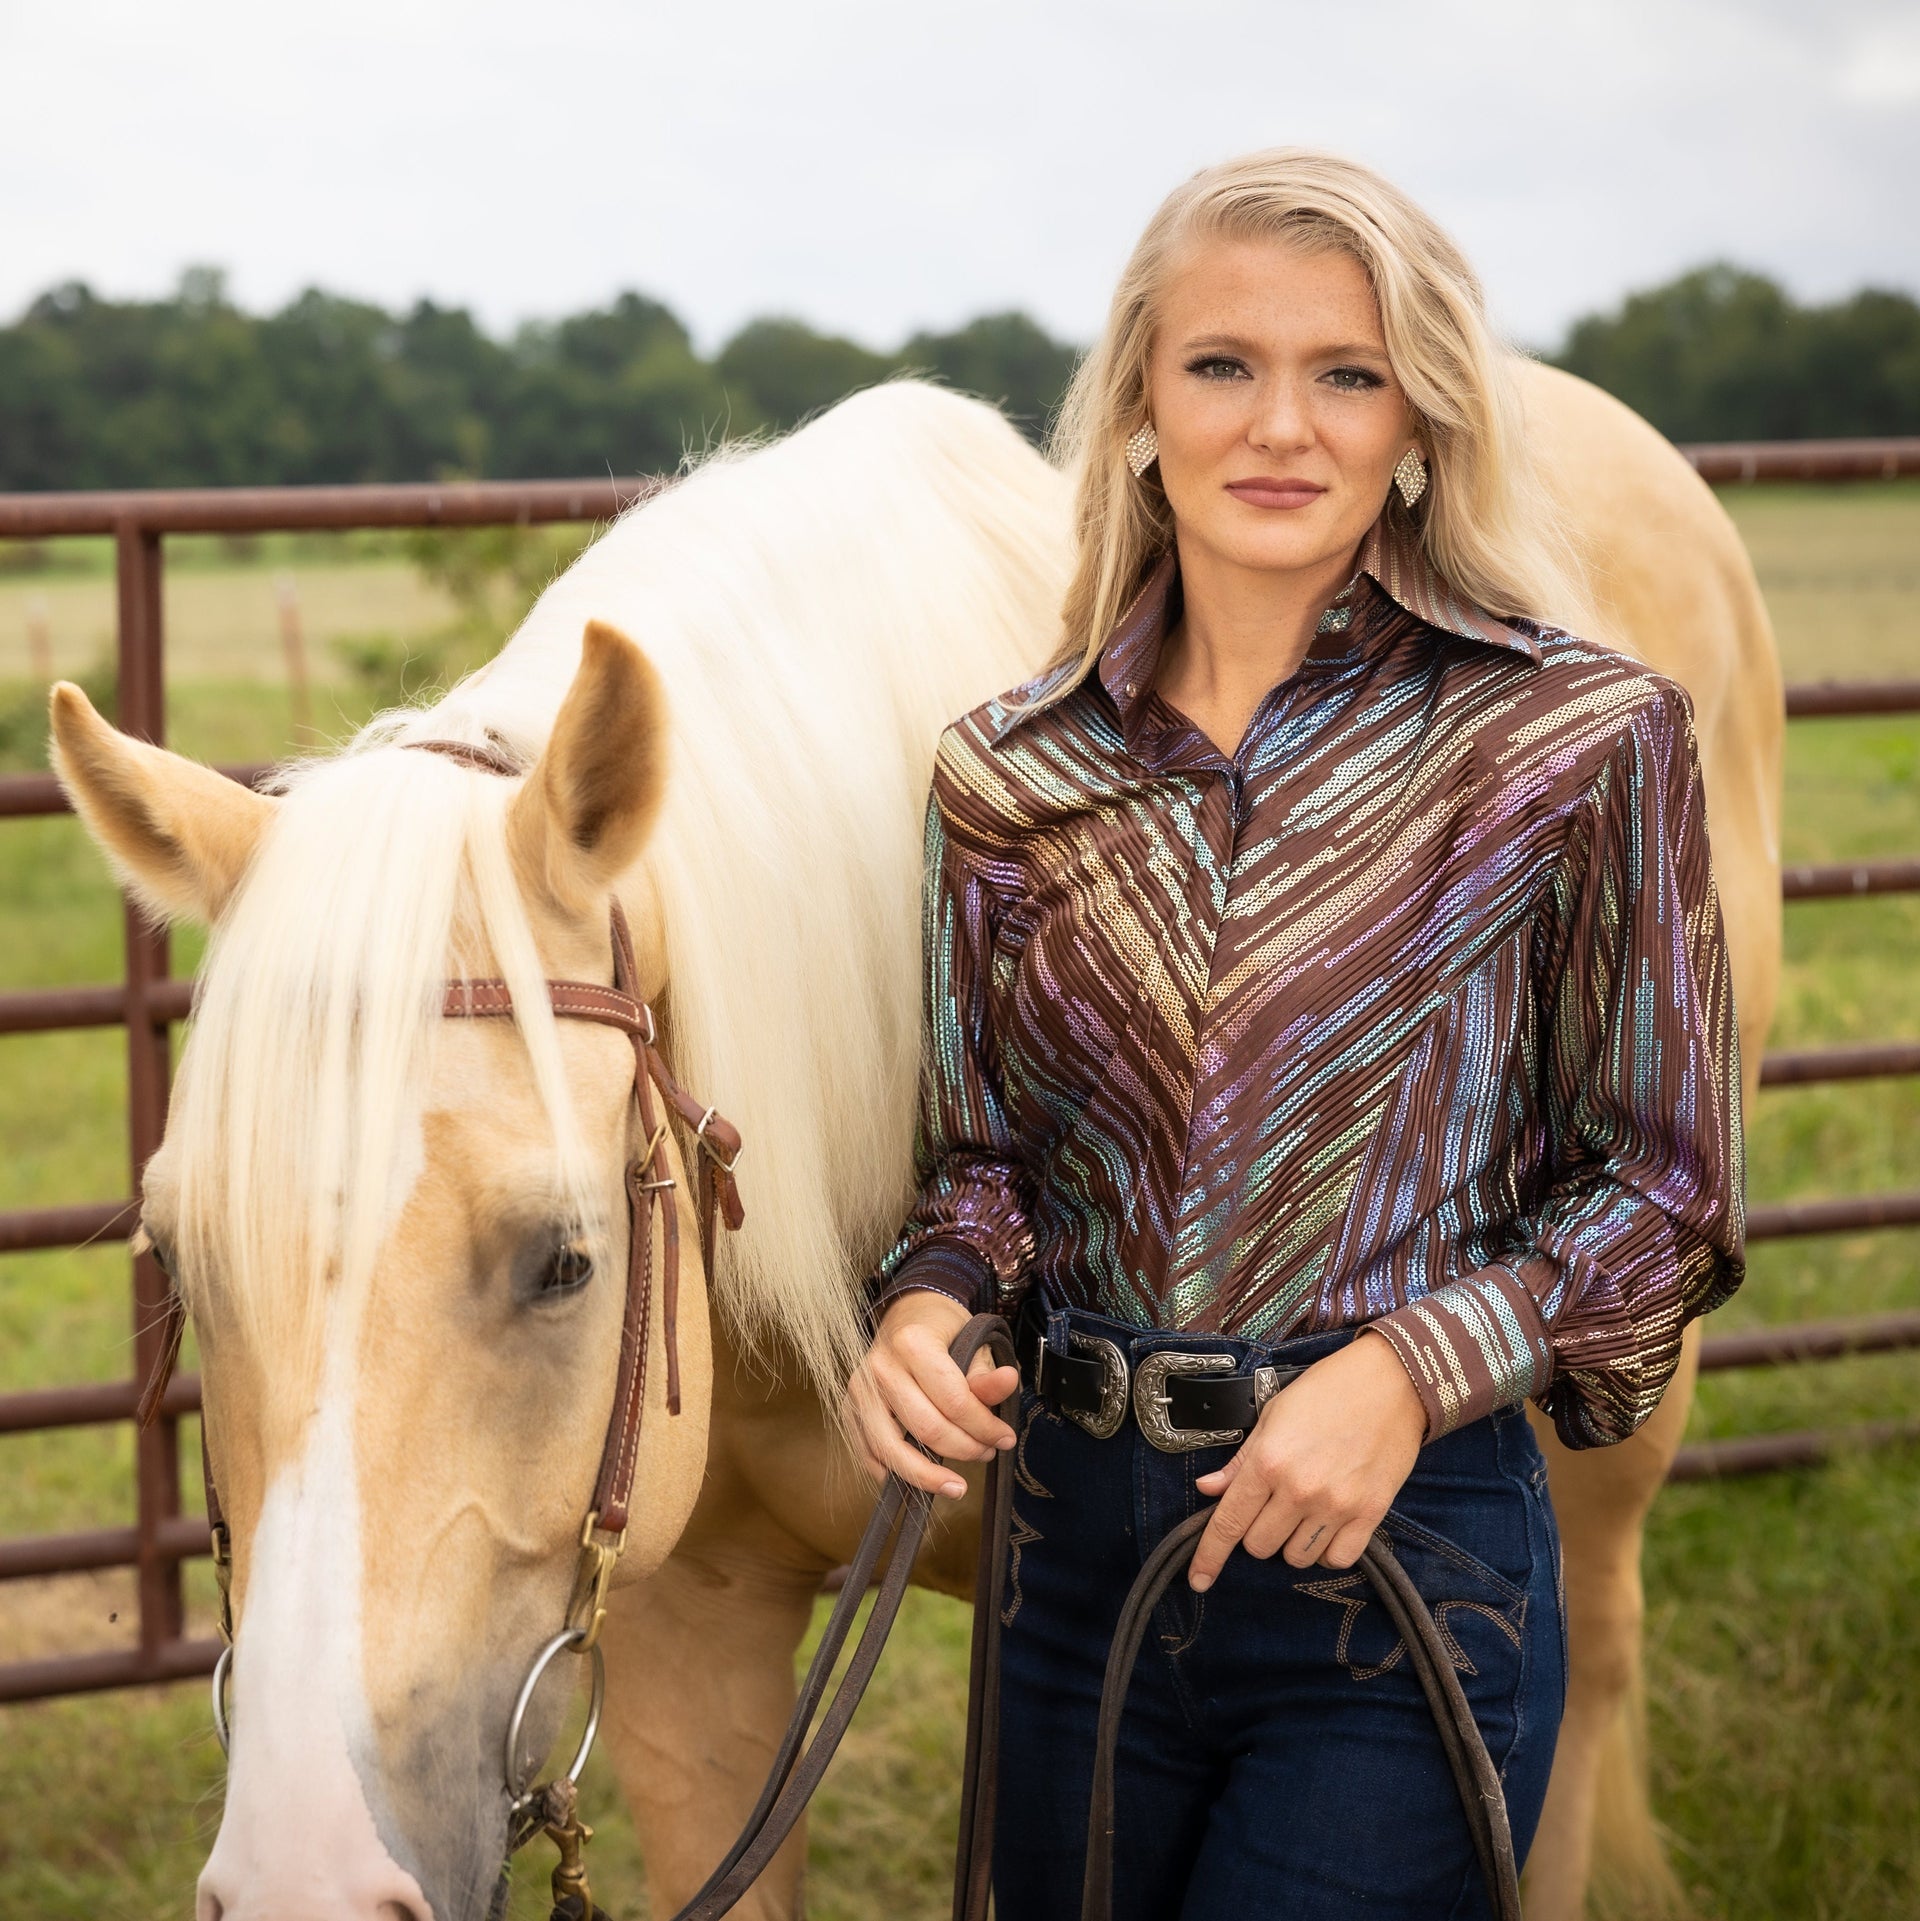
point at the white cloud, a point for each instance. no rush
(1881, 66)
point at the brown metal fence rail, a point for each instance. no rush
(148, 1001)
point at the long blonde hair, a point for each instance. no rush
(1487, 523)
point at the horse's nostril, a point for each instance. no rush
(400, 1911)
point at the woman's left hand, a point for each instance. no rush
(1319, 1471)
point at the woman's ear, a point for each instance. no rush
(590, 802)
(178, 835)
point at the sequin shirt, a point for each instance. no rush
(1414, 1012)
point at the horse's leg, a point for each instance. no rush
(1601, 1496)
(700, 1684)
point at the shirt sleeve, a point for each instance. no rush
(969, 1233)
(1640, 1222)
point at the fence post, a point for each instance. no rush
(141, 703)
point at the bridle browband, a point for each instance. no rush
(649, 1181)
(485, 760)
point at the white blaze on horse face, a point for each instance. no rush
(298, 1841)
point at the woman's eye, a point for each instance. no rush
(568, 1268)
(1355, 380)
(1217, 367)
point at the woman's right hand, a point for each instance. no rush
(909, 1385)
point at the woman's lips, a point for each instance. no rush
(1275, 493)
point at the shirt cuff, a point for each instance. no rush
(943, 1267)
(1471, 1347)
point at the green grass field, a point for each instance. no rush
(1785, 1676)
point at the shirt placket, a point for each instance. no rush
(1236, 814)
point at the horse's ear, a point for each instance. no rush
(591, 800)
(178, 835)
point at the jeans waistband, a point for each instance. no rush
(1136, 1342)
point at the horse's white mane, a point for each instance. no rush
(818, 609)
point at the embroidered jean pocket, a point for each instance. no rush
(1480, 1615)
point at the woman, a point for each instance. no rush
(1331, 1049)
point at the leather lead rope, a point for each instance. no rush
(799, 1765)
(1472, 1767)
(980, 1770)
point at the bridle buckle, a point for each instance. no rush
(707, 1147)
(644, 1164)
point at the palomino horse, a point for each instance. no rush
(400, 1235)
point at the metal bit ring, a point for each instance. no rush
(519, 1782)
(222, 1674)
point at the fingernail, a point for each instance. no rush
(1004, 1442)
(1201, 1582)
(955, 1489)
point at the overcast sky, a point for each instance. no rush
(879, 165)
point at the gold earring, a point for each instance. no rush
(1143, 449)
(1411, 476)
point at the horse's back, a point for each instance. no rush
(1675, 588)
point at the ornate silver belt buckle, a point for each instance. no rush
(1105, 1423)
(1150, 1401)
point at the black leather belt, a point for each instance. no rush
(1182, 1401)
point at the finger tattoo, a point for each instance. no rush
(1311, 1538)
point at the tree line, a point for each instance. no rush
(192, 391)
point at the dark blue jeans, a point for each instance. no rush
(1277, 1757)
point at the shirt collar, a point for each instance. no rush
(1391, 558)
(1399, 566)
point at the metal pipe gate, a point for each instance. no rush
(148, 1001)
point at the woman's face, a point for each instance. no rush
(1280, 421)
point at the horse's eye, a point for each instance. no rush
(568, 1267)
(145, 1241)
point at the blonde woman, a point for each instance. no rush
(1331, 1048)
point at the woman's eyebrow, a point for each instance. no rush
(1235, 344)
(1218, 343)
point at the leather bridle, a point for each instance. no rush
(649, 1184)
